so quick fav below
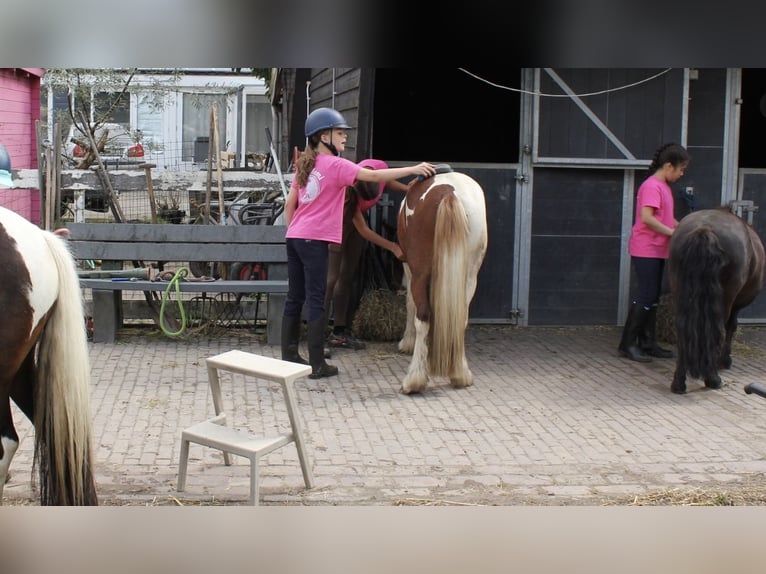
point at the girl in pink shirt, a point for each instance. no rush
(648, 247)
(314, 216)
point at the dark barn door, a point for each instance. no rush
(494, 289)
(753, 189)
(575, 247)
(605, 124)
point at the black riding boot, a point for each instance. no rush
(634, 325)
(291, 333)
(319, 367)
(648, 337)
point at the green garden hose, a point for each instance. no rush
(174, 283)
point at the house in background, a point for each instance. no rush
(170, 111)
(19, 110)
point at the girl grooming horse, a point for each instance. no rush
(648, 247)
(314, 216)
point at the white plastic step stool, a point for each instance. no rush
(214, 433)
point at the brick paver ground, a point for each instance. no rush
(554, 417)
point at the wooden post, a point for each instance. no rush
(217, 143)
(208, 186)
(41, 163)
(56, 159)
(48, 189)
(103, 176)
(150, 189)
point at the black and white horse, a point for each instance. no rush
(44, 364)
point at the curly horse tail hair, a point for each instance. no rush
(700, 321)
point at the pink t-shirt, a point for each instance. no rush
(319, 214)
(645, 242)
(365, 204)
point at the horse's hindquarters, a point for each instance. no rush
(443, 233)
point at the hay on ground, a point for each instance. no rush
(666, 321)
(381, 316)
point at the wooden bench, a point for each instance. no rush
(141, 243)
(214, 433)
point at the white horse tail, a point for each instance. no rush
(63, 434)
(449, 311)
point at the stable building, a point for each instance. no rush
(560, 154)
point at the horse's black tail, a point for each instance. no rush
(700, 321)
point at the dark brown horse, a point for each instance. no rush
(442, 231)
(44, 365)
(716, 268)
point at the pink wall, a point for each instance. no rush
(19, 109)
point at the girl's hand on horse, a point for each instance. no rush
(424, 168)
(396, 250)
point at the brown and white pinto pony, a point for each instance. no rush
(44, 364)
(442, 230)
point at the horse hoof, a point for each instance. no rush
(410, 387)
(678, 390)
(460, 383)
(714, 384)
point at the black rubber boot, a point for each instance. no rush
(319, 367)
(648, 337)
(634, 325)
(291, 333)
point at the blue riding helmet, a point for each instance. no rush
(5, 168)
(324, 119)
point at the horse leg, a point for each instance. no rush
(9, 442)
(713, 381)
(417, 373)
(463, 378)
(731, 327)
(407, 343)
(416, 378)
(679, 377)
(24, 385)
(21, 390)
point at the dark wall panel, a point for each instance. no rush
(704, 175)
(707, 108)
(754, 189)
(339, 88)
(575, 251)
(641, 112)
(494, 289)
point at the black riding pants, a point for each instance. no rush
(306, 278)
(649, 274)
